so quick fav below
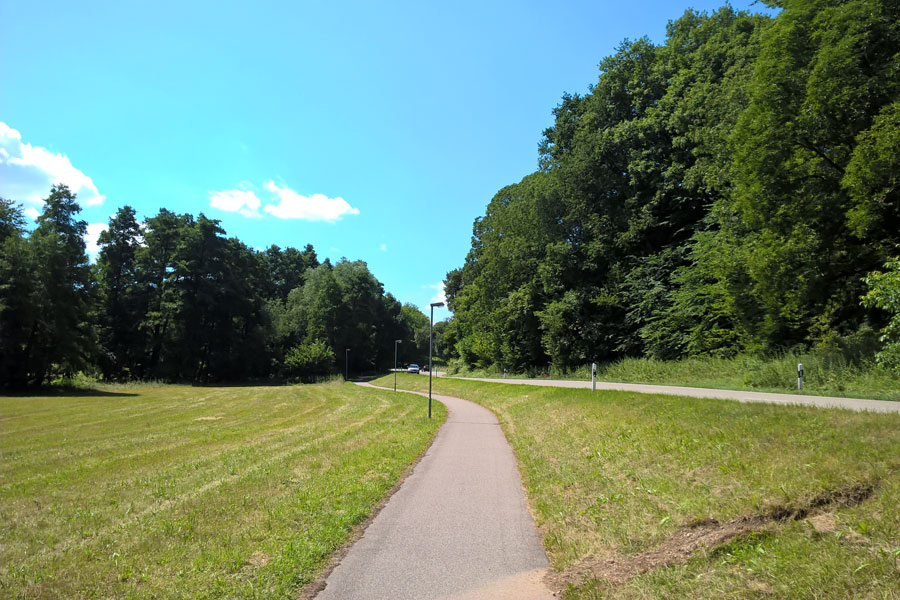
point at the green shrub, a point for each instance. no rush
(309, 361)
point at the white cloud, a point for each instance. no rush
(93, 234)
(32, 213)
(28, 172)
(440, 295)
(317, 207)
(383, 247)
(245, 202)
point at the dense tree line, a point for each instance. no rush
(726, 191)
(174, 299)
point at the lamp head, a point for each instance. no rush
(436, 304)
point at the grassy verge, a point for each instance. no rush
(614, 476)
(824, 375)
(174, 492)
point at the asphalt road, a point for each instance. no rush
(857, 404)
(458, 527)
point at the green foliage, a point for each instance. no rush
(309, 361)
(884, 293)
(46, 293)
(723, 192)
(121, 303)
(18, 310)
(174, 299)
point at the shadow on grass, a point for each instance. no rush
(65, 391)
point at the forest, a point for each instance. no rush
(174, 299)
(732, 190)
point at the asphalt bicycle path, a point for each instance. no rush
(458, 527)
(857, 404)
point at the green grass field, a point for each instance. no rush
(621, 484)
(192, 492)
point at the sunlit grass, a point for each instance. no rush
(824, 374)
(616, 473)
(174, 492)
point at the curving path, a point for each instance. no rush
(857, 404)
(458, 527)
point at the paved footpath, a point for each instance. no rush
(857, 404)
(458, 527)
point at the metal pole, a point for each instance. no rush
(395, 362)
(347, 364)
(430, 335)
(430, 366)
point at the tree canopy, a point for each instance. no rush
(173, 298)
(724, 191)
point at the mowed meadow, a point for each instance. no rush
(649, 496)
(201, 492)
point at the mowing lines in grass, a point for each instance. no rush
(230, 492)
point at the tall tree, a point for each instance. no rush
(61, 336)
(18, 296)
(122, 305)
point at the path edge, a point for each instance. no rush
(315, 587)
(503, 423)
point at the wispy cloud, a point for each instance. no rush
(28, 172)
(383, 247)
(283, 203)
(244, 202)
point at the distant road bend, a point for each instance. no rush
(857, 404)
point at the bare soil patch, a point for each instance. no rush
(258, 559)
(707, 534)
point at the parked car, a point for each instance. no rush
(425, 368)
(412, 368)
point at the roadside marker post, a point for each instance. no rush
(593, 377)
(800, 376)
(430, 343)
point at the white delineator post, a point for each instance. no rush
(593, 377)
(800, 376)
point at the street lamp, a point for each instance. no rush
(347, 364)
(430, 338)
(395, 362)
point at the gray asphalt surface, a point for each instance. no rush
(797, 399)
(458, 527)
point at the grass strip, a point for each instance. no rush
(825, 374)
(611, 476)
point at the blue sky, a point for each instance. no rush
(374, 131)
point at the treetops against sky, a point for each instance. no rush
(372, 131)
(733, 189)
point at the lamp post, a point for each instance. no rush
(347, 364)
(395, 362)
(430, 338)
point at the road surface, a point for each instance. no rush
(458, 527)
(857, 404)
